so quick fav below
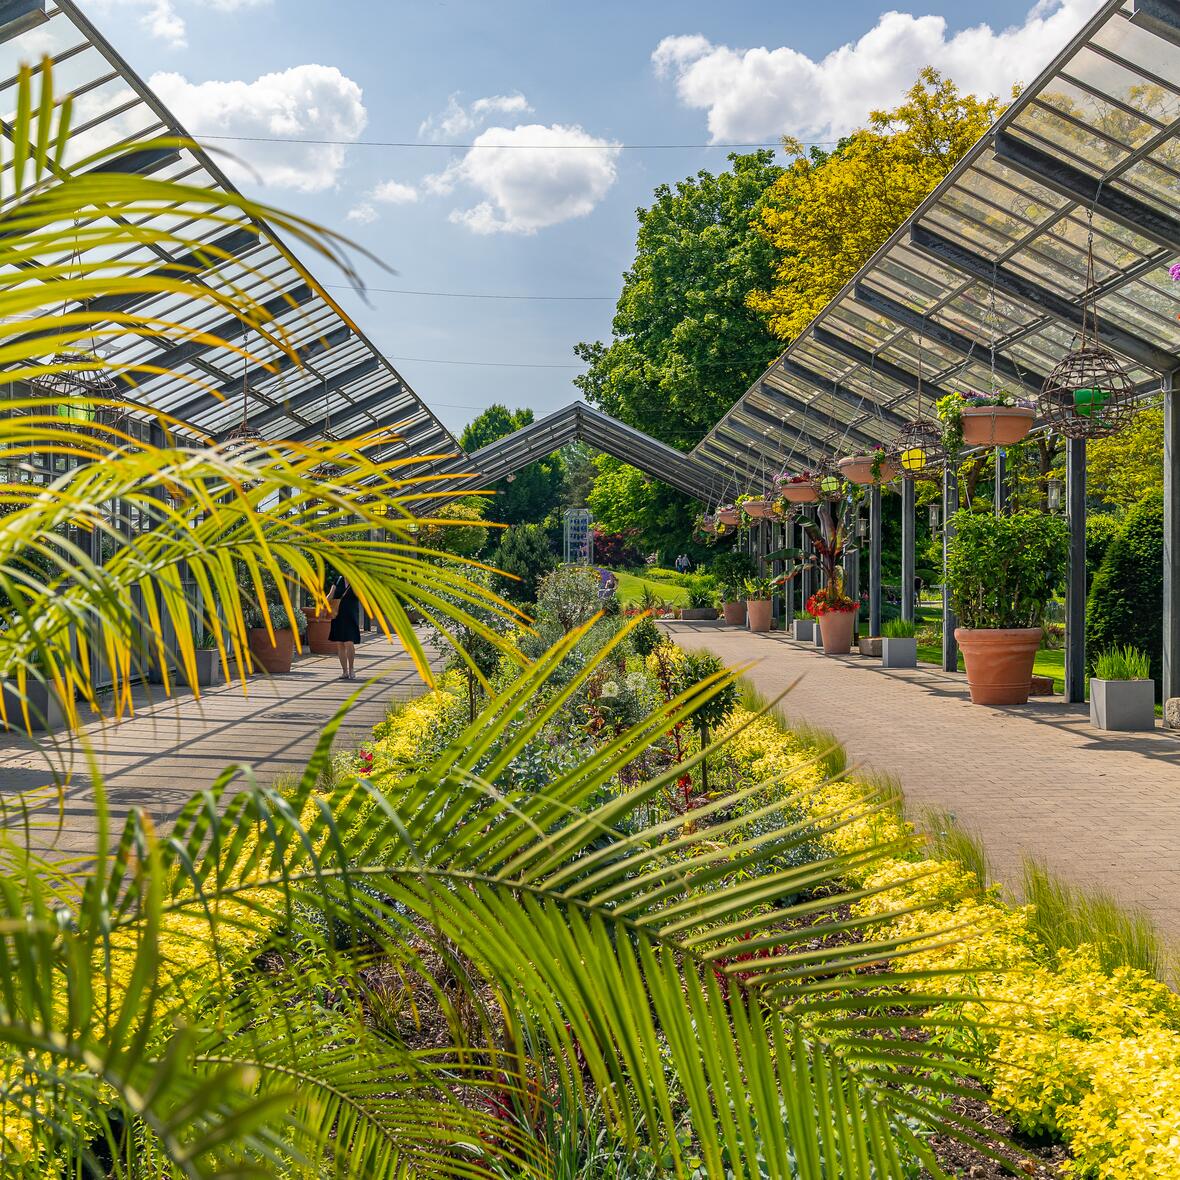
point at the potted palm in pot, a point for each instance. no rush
(1122, 692)
(1001, 573)
(273, 649)
(758, 603)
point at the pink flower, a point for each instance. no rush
(1174, 271)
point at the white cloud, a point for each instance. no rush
(363, 214)
(162, 18)
(393, 192)
(759, 94)
(303, 102)
(530, 176)
(458, 120)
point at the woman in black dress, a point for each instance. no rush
(346, 626)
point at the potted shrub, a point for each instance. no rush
(836, 613)
(1001, 573)
(874, 467)
(730, 571)
(1122, 692)
(207, 660)
(976, 419)
(319, 623)
(758, 596)
(702, 598)
(899, 644)
(273, 655)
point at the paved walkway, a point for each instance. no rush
(173, 747)
(1096, 807)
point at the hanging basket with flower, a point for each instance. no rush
(800, 487)
(975, 419)
(872, 467)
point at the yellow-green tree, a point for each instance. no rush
(1128, 467)
(828, 212)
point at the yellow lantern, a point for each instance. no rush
(913, 459)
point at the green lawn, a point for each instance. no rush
(631, 590)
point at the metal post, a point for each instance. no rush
(950, 505)
(852, 583)
(875, 561)
(1001, 488)
(1170, 672)
(1075, 594)
(908, 549)
(788, 538)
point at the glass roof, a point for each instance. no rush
(343, 385)
(983, 286)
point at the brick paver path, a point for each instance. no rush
(174, 747)
(1096, 807)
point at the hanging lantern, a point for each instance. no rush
(1089, 394)
(934, 514)
(1053, 494)
(918, 450)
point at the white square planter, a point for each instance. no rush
(803, 629)
(45, 710)
(899, 653)
(1122, 704)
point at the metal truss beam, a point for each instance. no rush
(19, 16)
(1067, 181)
(840, 392)
(789, 436)
(799, 407)
(278, 366)
(872, 362)
(1161, 17)
(366, 405)
(1041, 299)
(965, 346)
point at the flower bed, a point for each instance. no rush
(1071, 1051)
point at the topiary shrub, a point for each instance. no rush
(1101, 529)
(1126, 603)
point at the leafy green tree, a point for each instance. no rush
(1127, 594)
(828, 212)
(458, 529)
(1128, 467)
(685, 345)
(705, 668)
(625, 500)
(525, 553)
(530, 494)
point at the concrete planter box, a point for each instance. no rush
(208, 666)
(818, 635)
(869, 645)
(45, 711)
(803, 629)
(1122, 704)
(899, 653)
(697, 613)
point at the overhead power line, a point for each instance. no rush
(426, 360)
(548, 147)
(470, 294)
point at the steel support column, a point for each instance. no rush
(1170, 672)
(908, 549)
(1075, 594)
(788, 539)
(852, 583)
(950, 505)
(875, 561)
(1001, 489)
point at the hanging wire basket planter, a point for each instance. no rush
(81, 376)
(829, 480)
(918, 450)
(1090, 393)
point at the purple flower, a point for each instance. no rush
(1174, 271)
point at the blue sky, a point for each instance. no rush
(542, 219)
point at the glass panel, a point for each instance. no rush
(1046, 126)
(1151, 54)
(1151, 185)
(971, 234)
(1124, 87)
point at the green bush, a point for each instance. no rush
(731, 571)
(1101, 529)
(702, 590)
(524, 553)
(1126, 604)
(1002, 570)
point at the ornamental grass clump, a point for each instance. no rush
(899, 629)
(1123, 663)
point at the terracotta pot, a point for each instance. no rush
(999, 663)
(836, 628)
(758, 611)
(859, 469)
(319, 623)
(996, 426)
(801, 493)
(734, 613)
(759, 509)
(272, 657)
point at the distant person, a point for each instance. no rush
(346, 626)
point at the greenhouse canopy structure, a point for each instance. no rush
(986, 284)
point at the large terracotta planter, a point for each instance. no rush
(272, 657)
(319, 623)
(859, 469)
(759, 509)
(801, 493)
(836, 628)
(734, 613)
(999, 663)
(758, 613)
(996, 426)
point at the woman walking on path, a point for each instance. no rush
(346, 626)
